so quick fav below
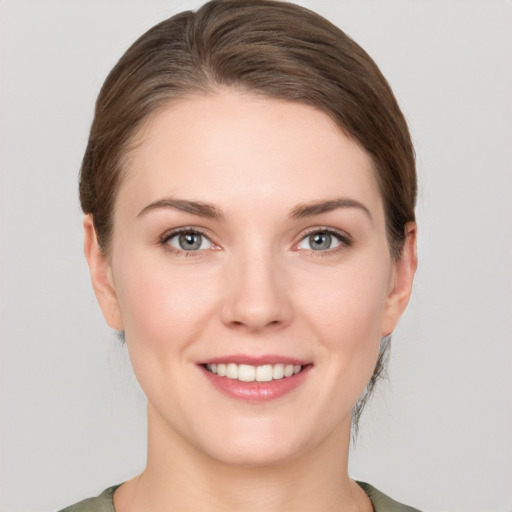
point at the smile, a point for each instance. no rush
(256, 379)
(250, 373)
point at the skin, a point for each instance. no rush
(256, 286)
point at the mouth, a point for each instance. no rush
(257, 379)
(250, 373)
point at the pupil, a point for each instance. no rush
(320, 241)
(190, 241)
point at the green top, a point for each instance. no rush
(104, 502)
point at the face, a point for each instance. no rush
(251, 274)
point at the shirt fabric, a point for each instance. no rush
(104, 502)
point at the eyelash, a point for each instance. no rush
(168, 235)
(343, 238)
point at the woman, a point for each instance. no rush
(249, 191)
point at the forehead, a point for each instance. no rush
(230, 145)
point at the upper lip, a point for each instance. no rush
(254, 360)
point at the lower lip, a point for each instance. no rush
(257, 391)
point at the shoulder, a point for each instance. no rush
(104, 503)
(101, 503)
(383, 503)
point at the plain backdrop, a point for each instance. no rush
(438, 435)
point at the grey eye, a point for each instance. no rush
(320, 241)
(189, 241)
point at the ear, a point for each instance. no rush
(401, 284)
(101, 276)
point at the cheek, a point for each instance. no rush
(161, 306)
(164, 314)
(347, 303)
(344, 310)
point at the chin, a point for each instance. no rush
(255, 456)
(265, 446)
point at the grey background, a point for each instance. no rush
(439, 434)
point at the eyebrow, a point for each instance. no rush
(194, 207)
(298, 212)
(317, 207)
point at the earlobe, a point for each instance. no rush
(404, 271)
(101, 276)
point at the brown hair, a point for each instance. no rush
(267, 47)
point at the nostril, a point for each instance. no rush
(256, 306)
(253, 325)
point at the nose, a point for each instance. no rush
(257, 293)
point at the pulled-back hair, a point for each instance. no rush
(266, 47)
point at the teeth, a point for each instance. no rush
(232, 371)
(278, 371)
(249, 373)
(288, 370)
(264, 373)
(246, 373)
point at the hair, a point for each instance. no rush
(270, 48)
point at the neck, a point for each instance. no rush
(180, 477)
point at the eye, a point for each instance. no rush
(322, 240)
(188, 241)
